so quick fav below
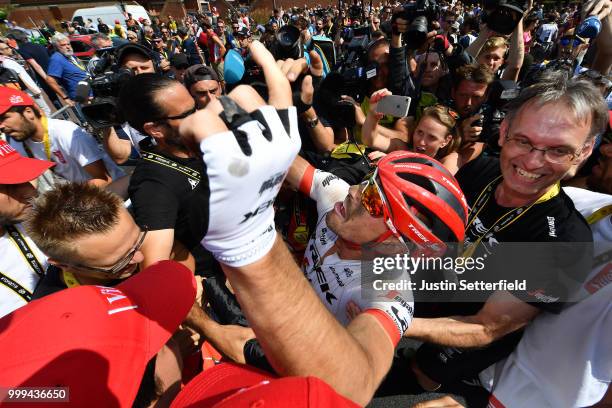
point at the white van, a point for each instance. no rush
(109, 14)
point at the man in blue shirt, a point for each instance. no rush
(65, 68)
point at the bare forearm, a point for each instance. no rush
(56, 88)
(454, 331)
(322, 137)
(517, 53)
(603, 58)
(200, 322)
(37, 68)
(299, 336)
(371, 134)
(476, 46)
(118, 149)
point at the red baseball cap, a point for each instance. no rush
(16, 169)
(10, 97)
(96, 340)
(230, 385)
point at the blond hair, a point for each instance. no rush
(70, 211)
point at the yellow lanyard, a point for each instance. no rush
(506, 219)
(599, 214)
(46, 139)
(70, 279)
(76, 63)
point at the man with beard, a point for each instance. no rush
(22, 264)
(65, 69)
(167, 191)
(75, 152)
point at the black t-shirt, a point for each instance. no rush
(52, 282)
(164, 197)
(549, 245)
(36, 52)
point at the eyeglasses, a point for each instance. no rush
(119, 266)
(374, 201)
(180, 116)
(371, 198)
(559, 155)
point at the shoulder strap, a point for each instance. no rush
(15, 287)
(25, 250)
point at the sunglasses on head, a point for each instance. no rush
(452, 113)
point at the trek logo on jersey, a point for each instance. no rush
(59, 156)
(256, 211)
(324, 286)
(272, 182)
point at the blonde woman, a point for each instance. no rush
(433, 134)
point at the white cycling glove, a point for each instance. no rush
(246, 167)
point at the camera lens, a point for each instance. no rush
(417, 32)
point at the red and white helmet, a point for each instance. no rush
(416, 185)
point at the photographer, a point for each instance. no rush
(468, 95)
(100, 41)
(392, 128)
(122, 141)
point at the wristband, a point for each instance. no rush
(306, 182)
(387, 323)
(300, 106)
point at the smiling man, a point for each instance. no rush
(549, 128)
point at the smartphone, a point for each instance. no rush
(394, 105)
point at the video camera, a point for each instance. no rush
(108, 79)
(287, 43)
(421, 14)
(502, 16)
(354, 68)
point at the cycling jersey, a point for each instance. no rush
(338, 281)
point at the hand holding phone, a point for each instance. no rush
(394, 105)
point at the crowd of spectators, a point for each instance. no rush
(194, 215)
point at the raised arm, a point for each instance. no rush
(298, 334)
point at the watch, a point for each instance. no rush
(312, 123)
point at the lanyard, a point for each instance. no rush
(592, 219)
(46, 140)
(599, 214)
(164, 161)
(70, 280)
(76, 63)
(506, 219)
(25, 250)
(15, 287)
